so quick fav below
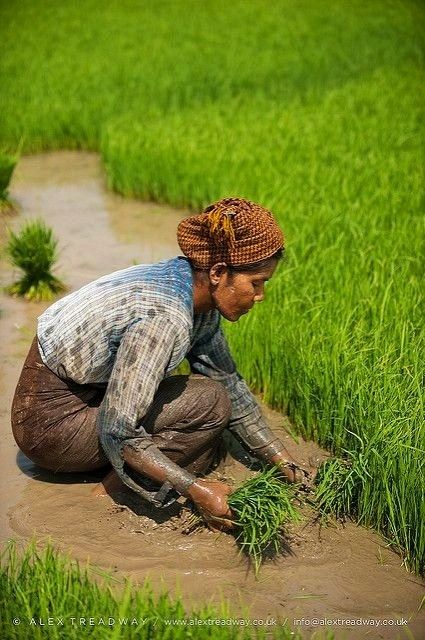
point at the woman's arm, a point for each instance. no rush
(210, 356)
(140, 365)
(209, 496)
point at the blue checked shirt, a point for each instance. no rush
(127, 331)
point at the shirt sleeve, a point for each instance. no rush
(141, 363)
(210, 356)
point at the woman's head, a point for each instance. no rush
(234, 246)
(233, 230)
(234, 291)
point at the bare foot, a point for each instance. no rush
(110, 484)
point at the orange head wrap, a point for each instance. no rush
(232, 230)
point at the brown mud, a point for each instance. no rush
(344, 572)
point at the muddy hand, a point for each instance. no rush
(294, 472)
(216, 524)
(210, 498)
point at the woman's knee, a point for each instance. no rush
(214, 398)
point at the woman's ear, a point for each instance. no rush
(216, 272)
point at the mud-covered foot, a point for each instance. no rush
(110, 484)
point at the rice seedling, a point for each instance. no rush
(262, 506)
(7, 166)
(38, 586)
(338, 485)
(33, 250)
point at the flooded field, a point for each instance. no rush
(335, 572)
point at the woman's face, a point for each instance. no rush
(235, 292)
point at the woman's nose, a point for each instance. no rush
(259, 297)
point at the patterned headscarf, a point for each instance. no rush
(232, 230)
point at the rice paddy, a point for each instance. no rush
(312, 109)
(34, 251)
(38, 587)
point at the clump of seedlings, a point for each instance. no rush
(262, 507)
(7, 166)
(34, 251)
(338, 485)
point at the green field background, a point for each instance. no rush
(312, 108)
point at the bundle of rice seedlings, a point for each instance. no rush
(33, 250)
(7, 166)
(261, 507)
(338, 485)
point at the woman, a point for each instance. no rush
(96, 387)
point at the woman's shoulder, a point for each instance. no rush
(109, 305)
(174, 273)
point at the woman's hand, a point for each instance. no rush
(211, 499)
(293, 471)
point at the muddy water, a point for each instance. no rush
(336, 572)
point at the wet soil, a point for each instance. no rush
(339, 571)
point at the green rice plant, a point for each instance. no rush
(338, 485)
(7, 166)
(37, 586)
(262, 506)
(33, 250)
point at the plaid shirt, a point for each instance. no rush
(127, 331)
